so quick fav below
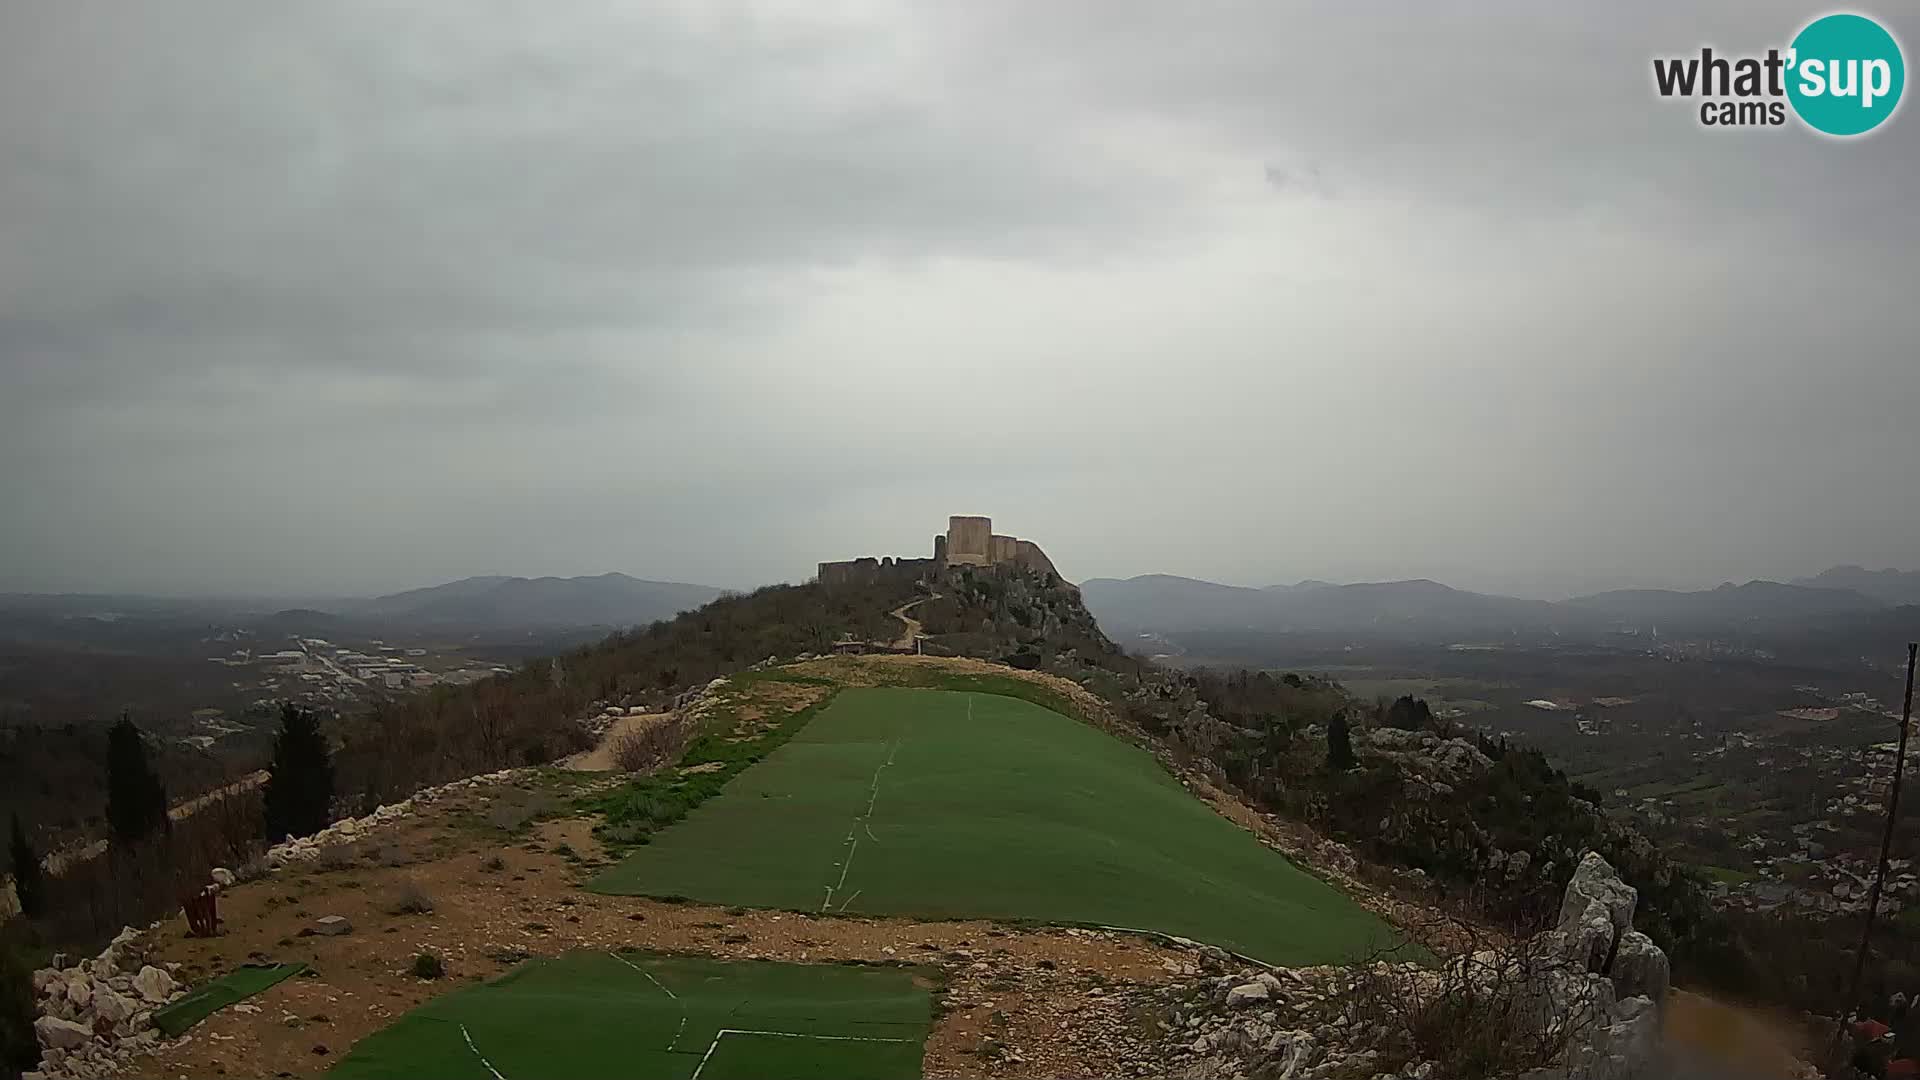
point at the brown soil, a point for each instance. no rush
(600, 758)
(1016, 1002)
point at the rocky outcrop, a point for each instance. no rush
(96, 1015)
(1581, 1001)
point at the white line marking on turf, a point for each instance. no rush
(682, 1029)
(478, 1054)
(853, 838)
(724, 1032)
(647, 973)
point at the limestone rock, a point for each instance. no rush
(154, 984)
(223, 877)
(1595, 879)
(1589, 936)
(1640, 969)
(57, 1034)
(113, 1008)
(1246, 994)
(332, 925)
(79, 992)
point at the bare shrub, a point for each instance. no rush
(1493, 1012)
(650, 747)
(410, 899)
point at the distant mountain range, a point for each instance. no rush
(1166, 604)
(602, 600)
(1886, 586)
(1422, 609)
(1729, 602)
(470, 604)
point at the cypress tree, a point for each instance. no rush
(1340, 744)
(136, 801)
(27, 882)
(299, 794)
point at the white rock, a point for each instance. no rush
(332, 925)
(153, 984)
(79, 991)
(1246, 994)
(57, 1034)
(222, 877)
(111, 1007)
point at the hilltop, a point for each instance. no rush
(1453, 840)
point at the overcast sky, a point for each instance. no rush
(345, 297)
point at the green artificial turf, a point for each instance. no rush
(591, 1015)
(947, 804)
(236, 985)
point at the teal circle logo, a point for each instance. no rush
(1845, 74)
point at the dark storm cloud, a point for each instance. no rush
(358, 296)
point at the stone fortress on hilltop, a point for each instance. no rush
(968, 541)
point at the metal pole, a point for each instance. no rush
(1886, 845)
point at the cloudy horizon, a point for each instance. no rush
(351, 298)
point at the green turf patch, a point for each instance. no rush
(593, 1015)
(963, 805)
(636, 810)
(234, 986)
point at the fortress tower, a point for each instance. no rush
(969, 541)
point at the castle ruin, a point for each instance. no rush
(968, 541)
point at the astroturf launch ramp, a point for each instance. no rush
(950, 804)
(589, 1015)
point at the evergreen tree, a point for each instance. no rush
(1409, 713)
(27, 883)
(136, 802)
(299, 794)
(1339, 744)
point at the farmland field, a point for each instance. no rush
(591, 1014)
(950, 804)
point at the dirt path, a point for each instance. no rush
(600, 758)
(910, 627)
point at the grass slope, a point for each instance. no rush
(960, 805)
(592, 1015)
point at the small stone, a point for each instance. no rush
(332, 925)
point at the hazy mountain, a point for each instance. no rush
(1730, 603)
(604, 600)
(1886, 586)
(1166, 604)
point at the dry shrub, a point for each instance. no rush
(1494, 1012)
(410, 899)
(650, 747)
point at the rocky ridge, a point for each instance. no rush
(1583, 998)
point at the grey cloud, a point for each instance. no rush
(355, 296)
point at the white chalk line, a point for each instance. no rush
(853, 838)
(476, 1053)
(724, 1032)
(681, 1030)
